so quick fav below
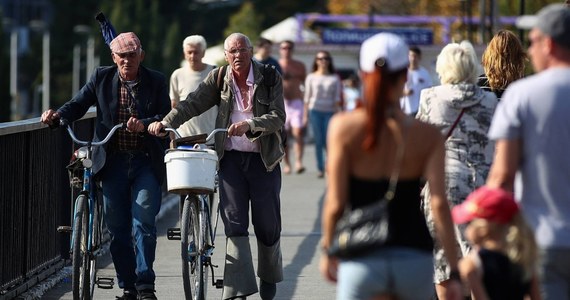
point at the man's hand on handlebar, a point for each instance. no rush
(238, 129)
(49, 116)
(135, 125)
(156, 128)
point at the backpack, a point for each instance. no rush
(268, 80)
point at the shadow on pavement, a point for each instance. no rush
(303, 256)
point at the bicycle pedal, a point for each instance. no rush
(173, 234)
(219, 284)
(106, 283)
(64, 229)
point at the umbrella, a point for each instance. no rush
(107, 29)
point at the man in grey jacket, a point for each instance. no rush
(253, 112)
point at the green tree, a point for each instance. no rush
(172, 51)
(246, 21)
(5, 75)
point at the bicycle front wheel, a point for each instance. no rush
(81, 285)
(193, 267)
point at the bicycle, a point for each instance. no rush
(191, 171)
(86, 227)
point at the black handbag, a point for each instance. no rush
(366, 228)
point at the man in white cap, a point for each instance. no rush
(131, 166)
(532, 132)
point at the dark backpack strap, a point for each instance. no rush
(221, 75)
(269, 75)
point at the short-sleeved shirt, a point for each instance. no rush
(536, 110)
(418, 80)
(182, 82)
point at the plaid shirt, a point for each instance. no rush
(127, 141)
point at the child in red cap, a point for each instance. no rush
(503, 261)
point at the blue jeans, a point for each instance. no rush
(320, 123)
(132, 198)
(555, 271)
(403, 272)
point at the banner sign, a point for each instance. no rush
(355, 36)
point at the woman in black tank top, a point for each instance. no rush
(361, 146)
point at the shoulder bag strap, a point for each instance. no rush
(454, 124)
(390, 193)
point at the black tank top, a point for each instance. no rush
(502, 278)
(407, 226)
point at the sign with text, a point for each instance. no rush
(355, 36)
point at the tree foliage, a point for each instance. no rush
(430, 7)
(4, 73)
(246, 21)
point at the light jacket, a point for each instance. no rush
(268, 112)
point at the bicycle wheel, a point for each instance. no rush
(192, 262)
(81, 263)
(205, 243)
(96, 238)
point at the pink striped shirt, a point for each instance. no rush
(241, 113)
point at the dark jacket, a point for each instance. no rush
(102, 90)
(268, 112)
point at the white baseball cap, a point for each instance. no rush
(384, 48)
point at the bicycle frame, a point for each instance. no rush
(197, 235)
(87, 177)
(86, 225)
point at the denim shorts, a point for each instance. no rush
(403, 272)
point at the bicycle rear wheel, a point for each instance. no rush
(193, 275)
(81, 285)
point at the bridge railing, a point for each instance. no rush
(35, 198)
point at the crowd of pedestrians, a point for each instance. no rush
(485, 149)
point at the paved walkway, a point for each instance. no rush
(301, 204)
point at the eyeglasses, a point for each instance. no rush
(238, 51)
(285, 48)
(324, 58)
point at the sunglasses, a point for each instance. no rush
(324, 58)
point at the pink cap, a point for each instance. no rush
(496, 205)
(125, 42)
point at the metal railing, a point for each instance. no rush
(35, 198)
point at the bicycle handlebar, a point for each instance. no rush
(209, 138)
(64, 123)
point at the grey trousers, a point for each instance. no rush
(244, 180)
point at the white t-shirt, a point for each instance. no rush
(536, 111)
(183, 81)
(418, 80)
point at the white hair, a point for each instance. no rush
(237, 36)
(458, 63)
(195, 40)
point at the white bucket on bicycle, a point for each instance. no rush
(191, 171)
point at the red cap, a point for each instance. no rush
(125, 42)
(496, 205)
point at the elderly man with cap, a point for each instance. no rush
(532, 132)
(130, 167)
